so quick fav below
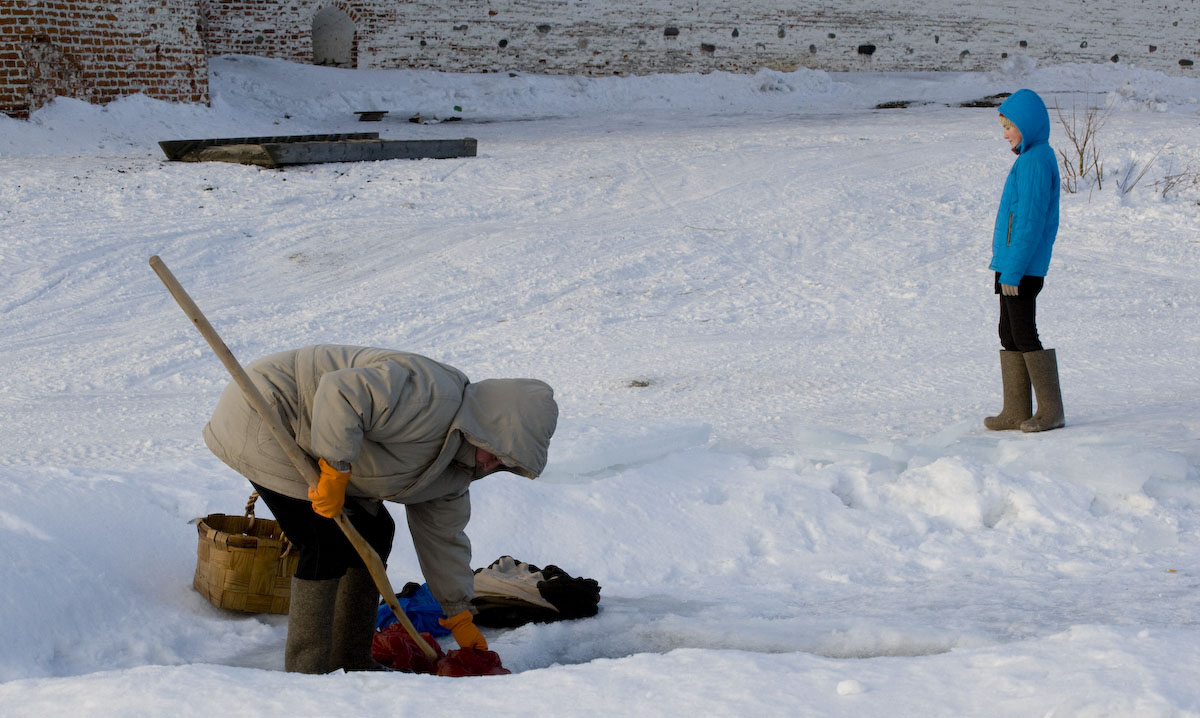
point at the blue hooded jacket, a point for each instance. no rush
(1027, 221)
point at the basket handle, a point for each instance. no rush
(250, 510)
(285, 543)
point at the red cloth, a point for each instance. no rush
(471, 662)
(394, 648)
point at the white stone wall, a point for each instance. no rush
(601, 37)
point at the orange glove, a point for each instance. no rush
(330, 495)
(462, 627)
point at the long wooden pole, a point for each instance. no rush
(302, 461)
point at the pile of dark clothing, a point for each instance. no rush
(508, 593)
(512, 593)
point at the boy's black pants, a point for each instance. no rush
(1018, 316)
(325, 552)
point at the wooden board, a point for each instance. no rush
(180, 149)
(371, 115)
(314, 149)
(301, 153)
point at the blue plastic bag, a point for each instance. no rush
(420, 607)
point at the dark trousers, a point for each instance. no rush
(325, 552)
(1018, 316)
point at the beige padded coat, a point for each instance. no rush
(405, 425)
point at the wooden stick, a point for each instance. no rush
(302, 461)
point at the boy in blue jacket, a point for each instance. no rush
(1026, 225)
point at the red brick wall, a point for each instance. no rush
(99, 51)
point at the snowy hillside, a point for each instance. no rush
(765, 308)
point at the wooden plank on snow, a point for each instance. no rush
(313, 149)
(303, 153)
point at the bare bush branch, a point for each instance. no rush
(1130, 180)
(1081, 162)
(1179, 180)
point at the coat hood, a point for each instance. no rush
(1025, 109)
(511, 418)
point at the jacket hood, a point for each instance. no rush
(511, 418)
(1025, 109)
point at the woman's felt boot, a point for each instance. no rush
(310, 626)
(354, 621)
(1043, 374)
(1018, 404)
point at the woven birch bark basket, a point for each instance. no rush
(244, 563)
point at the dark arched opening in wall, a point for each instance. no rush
(334, 39)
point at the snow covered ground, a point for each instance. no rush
(766, 311)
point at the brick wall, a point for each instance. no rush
(269, 28)
(99, 51)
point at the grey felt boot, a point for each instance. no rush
(310, 626)
(1043, 374)
(1018, 404)
(354, 621)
